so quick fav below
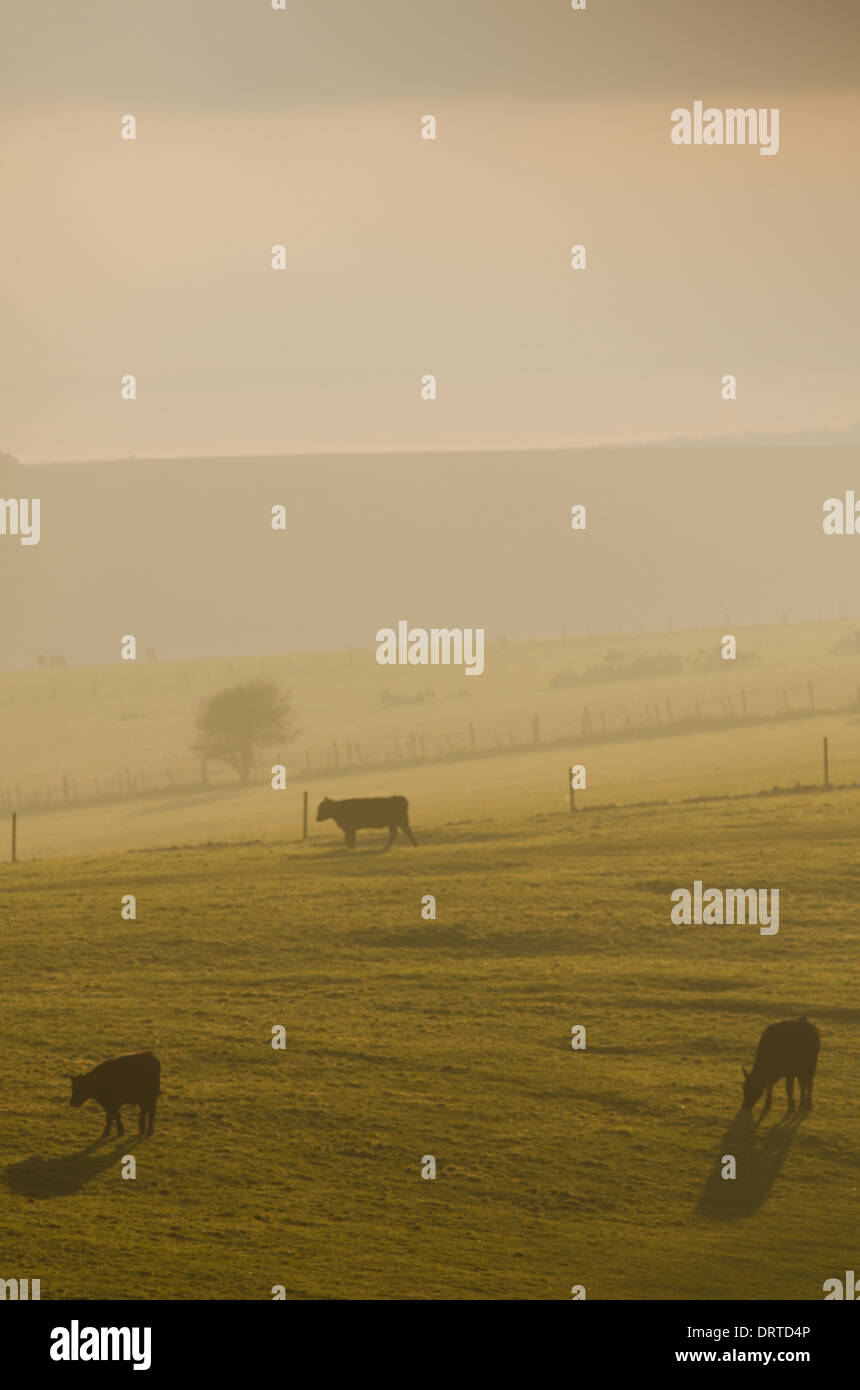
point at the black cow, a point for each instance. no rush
(788, 1049)
(131, 1080)
(368, 813)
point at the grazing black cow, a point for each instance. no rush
(368, 813)
(788, 1049)
(131, 1080)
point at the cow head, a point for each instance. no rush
(79, 1090)
(752, 1089)
(324, 810)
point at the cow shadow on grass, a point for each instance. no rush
(431, 937)
(60, 1177)
(757, 1163)
(454, 834)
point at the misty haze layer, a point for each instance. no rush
(183, 554)
(301, 128)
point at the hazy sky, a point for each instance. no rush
(404, 256)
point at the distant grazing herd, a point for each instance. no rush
(788, 1049)
(785, 1050)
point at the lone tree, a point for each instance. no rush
(233, 721)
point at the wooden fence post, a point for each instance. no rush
(826, 767)
(15, 834)
(570, 788)
(304, 815)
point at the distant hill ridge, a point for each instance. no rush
(182, 552)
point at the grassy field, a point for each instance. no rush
(728, 762)
(450, 1038)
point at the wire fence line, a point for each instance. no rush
(451, 740)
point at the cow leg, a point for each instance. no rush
(768, 1099)
(407, 831)
(789, 1091)
(140, 1122)
(809, 1091)
(350, 839)
(392, 836)
(151, 1125)
(112, 1117)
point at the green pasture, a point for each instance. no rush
(451, 1037)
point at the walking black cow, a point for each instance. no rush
(788, 1049)
(368, 813)
(131, 1080)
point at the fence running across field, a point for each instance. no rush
(452, 739)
